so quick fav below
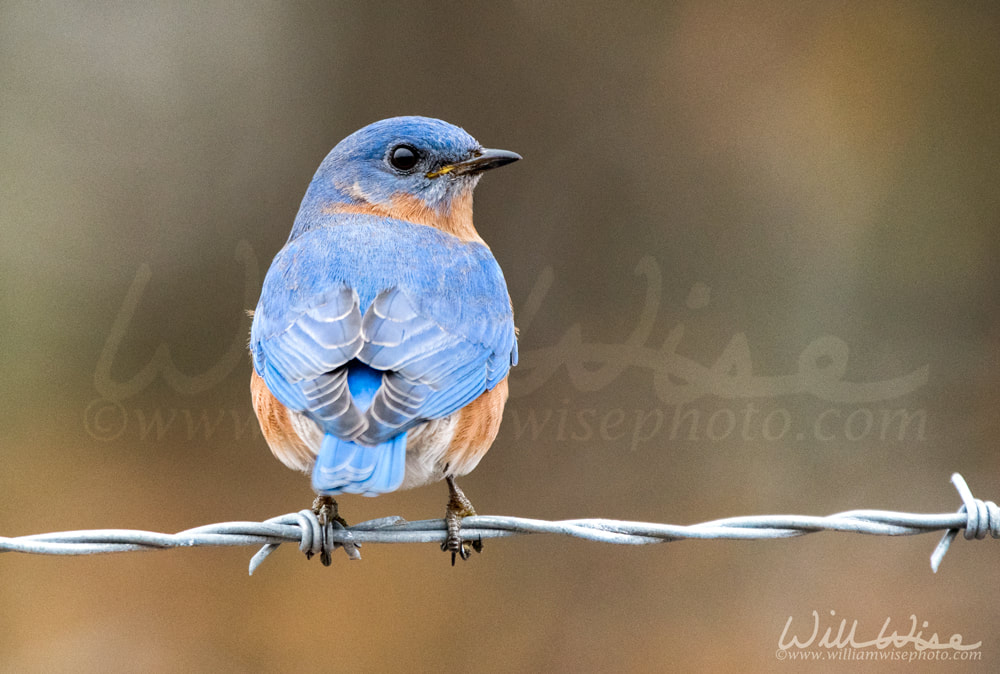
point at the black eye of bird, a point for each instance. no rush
(403, 158)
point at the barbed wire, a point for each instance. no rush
(976, 518)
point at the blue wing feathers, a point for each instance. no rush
(450, 399)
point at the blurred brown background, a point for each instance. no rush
(792, 177)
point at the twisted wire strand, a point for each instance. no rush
(976, 518)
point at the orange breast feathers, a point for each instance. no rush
(456, 220)
(295, 439)
(476, 429)
(281, 429)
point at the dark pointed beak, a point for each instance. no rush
(484, 160)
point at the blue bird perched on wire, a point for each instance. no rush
(384, 332)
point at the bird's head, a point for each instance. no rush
(416, 169)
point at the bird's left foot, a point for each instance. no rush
(459, 507)
(327, 512)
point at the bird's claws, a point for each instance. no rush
(329, 518)
(459, 507)
(457, 546)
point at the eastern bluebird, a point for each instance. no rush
(384, 332)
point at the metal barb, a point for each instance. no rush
(982, 517)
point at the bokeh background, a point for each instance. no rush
(773, 189)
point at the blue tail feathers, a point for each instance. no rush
(346, 466)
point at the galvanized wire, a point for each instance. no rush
(976, 518)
